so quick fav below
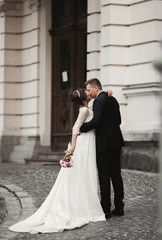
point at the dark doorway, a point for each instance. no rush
(69, 38)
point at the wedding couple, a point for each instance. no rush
(73, 201)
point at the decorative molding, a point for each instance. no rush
(12, 16)
(20, 66)
(19, 99)
(21, 33)
(20, 49)
(18, 114)
(92, 70)
(131, 24)
(130, 45)
(23, 82)
(125, 4)
(93, 32)
(93, 13)
(141, 136)
(36, 127)
(126, 65)
(9, 6)
(145, 89)
(34, 5)
(113, 85)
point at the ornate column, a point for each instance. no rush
(158, 66)
(34, 5)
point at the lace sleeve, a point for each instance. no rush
(83, 113)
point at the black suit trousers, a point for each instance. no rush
(109, 170)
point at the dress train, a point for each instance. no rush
(73, 200)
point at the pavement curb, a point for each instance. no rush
(19, 205)
(3, 208)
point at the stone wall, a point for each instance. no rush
(123, 41)
(141, 152)
(19, 71)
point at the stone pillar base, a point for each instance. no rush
(141, 152)
(15, 148)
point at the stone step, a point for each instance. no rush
(51, 155)
(46, 158)
(41, 161)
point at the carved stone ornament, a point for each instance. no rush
(9, 6)
(34, 5)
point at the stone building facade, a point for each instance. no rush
(122, 41)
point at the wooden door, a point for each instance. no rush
(68, 65)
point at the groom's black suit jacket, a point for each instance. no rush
(106, 121)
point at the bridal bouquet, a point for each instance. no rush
(67, 161)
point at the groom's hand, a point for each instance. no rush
(109, 92)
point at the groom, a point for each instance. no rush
(106, 121)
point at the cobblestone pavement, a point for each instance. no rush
(26, 187)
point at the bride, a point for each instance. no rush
(73, 201)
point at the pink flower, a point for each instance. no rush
(67, 162)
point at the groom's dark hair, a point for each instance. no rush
(94, 82)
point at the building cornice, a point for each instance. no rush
(10, 6)
(142, 89)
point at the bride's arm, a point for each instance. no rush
(83, 112)
(71, 148)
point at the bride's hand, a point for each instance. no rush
(69, 151)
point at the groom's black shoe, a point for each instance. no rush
(118, 212)
(107, 215)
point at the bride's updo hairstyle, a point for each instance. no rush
(78, 96)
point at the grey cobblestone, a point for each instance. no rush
(32, 184)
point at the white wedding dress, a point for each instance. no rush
(73, 201)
